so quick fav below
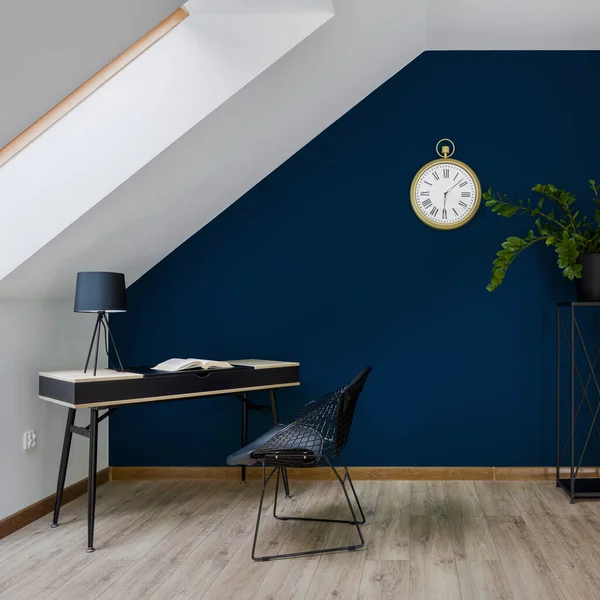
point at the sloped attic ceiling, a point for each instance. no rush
(49, 48)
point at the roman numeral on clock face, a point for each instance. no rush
(444, 214)
(463, 184)
(465, 194)
(462, 204)
(434, 211)
(446, 173)
(427, 203)
(436, 175)
(454, 211)
(424, 193)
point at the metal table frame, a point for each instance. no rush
(91, 434)
(574, 487)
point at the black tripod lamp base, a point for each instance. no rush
(102, 322)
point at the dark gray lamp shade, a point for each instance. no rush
(100, 291)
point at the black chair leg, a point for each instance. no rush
(265, 480)
(354, 521)
(347, 476)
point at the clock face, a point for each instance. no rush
(445, 194)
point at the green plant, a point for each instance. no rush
(558, 224)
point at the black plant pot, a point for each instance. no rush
(588, 287)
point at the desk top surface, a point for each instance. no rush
(78, 376)
(110, 388)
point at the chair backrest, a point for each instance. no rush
(321, 429)
(345, 409)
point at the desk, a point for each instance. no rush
(109, 390)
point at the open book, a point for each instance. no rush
(181, 364)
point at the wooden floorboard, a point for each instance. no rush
(176, 540)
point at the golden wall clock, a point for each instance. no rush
(445, 193)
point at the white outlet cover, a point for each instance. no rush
(29, 440)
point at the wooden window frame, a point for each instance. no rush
(90, 86)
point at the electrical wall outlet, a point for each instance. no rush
(29, 440)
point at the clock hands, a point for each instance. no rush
(447, 192)
(444, 213)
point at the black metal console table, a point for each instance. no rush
(568, 330)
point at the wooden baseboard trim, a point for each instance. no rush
(37, 510)
(358, 473)
(541, 473)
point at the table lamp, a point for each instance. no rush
(100, 292)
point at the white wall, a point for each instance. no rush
(513, 24)
(35, 336)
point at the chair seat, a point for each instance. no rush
(243, 457)
(248, 455)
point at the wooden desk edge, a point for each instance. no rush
(60, 376)
(174, 397)
(117, 376)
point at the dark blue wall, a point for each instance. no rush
(324, 262)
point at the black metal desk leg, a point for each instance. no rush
(572, 342)
(275, 413)
(62, 471)
(558, 457)
(92, 477)
(244, 429)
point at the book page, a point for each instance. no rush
(181, 364)
(214, 364)
(176, 364)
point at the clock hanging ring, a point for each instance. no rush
(445, 193)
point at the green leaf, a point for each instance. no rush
(562, 227)
(541, 228)
(508, 210)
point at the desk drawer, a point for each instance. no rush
(166, 386)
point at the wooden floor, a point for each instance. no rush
(425, 541)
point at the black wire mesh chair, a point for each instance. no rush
(315, 438)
